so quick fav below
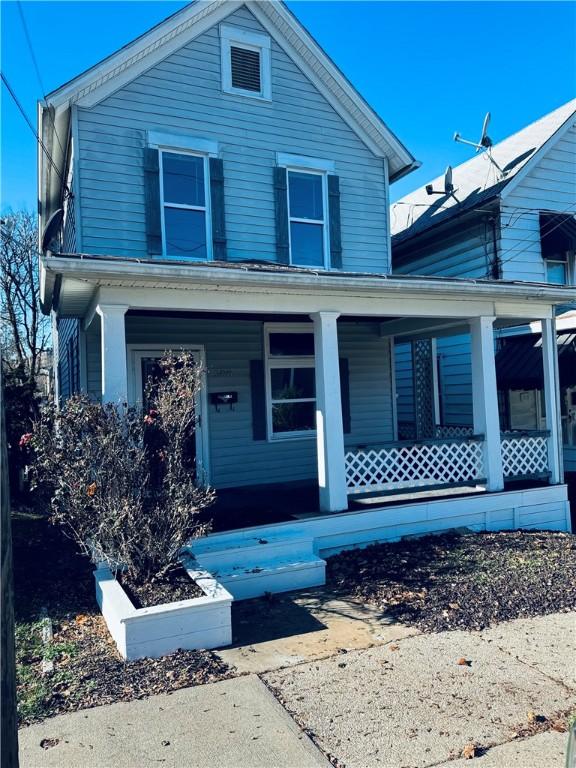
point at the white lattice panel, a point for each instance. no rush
(452, 430)
(524, 455)
(411, 466)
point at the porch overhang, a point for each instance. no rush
(80, 283)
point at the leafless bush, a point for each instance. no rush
(123, 482)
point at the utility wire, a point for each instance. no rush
(515, 252)
(37, 70)
(31, 126)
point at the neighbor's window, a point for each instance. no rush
(184, 196)
(307, 216)
(245, 62)
(291, 387)
(556, 272)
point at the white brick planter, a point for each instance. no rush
(202, 622)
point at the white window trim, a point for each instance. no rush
(304, 162)
(270, 362)
(251, 41)
(325, 212)
(178, 142)
(206, 207)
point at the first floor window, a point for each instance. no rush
(184, 195)
(291, 383)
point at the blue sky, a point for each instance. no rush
(428, 68)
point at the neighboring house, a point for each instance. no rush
(230, 194)
(512, 220)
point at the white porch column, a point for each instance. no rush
(551, 397)
(485, 399)
(329, 428)
(114, 368)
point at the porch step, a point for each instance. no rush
(277, 576)
(252, 566)
(249, 553)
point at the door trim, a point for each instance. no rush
(136, 352)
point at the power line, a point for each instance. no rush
(38, 139)
(37, 70)
(515, 252)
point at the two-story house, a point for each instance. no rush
(511, 215)
(223, 188)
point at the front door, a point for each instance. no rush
(144, 365)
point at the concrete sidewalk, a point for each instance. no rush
(232, 724)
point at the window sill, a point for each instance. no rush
(289, 437)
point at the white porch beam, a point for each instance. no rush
(114, 368)
(329, 426)
(552, 397)
(485, 398)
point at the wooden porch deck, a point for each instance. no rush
(258, 505)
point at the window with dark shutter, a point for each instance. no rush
(245, 66)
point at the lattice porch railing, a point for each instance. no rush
(396, 466)
(524, 454)
(453, 430)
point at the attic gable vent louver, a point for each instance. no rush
(245, 66)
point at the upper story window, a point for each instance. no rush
(245, 61)
(308, 211)
(556, 272)
(184, 196)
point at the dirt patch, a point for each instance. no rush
(87, 668)
(467, 581)
(175, 585)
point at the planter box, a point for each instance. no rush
(202, 622)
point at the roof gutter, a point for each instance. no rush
(94, 270)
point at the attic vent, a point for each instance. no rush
(245, 65)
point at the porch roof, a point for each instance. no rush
(73, 283)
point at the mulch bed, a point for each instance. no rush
(462, 581)
(51, 578)
(176, 585)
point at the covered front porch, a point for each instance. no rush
(300, 384)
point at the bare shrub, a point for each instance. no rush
(123, 481)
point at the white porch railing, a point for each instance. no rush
(524, 454)
(396, 466)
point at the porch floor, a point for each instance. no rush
(249, 506)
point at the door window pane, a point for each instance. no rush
(307, 244)
(183, 177)
(293, 417)
(185, 233)
(292, 383)
(305, 196)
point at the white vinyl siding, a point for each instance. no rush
(183, 95)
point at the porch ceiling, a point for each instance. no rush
(78, 284)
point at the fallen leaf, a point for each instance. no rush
(454, 606)
(462, 662)
(532, 717)
(47, 743)
(469, 751)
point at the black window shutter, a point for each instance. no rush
(345, 394)
(281, 203)
(334, 216)
(258, 392)
(152, 198)
(217, 204)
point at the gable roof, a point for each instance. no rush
(120, 68)
(477, 180)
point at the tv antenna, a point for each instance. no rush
(448, 190)
(485, 142)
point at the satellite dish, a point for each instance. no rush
(52, 229)
(448, 185)
(485, 140)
